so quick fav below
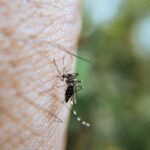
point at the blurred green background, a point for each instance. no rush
(116, 97)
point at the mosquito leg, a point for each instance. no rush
(75, 74)
(79, 88)
(78, 118)
(64, 68)
(61, 78)
(57, 68)
(48, 90)
(78, 80)
(73, 99)
(75, 96)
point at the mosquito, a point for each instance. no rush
(72, 88)
(71, 83)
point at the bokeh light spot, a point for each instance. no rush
(102, 11)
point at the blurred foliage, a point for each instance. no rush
(116, 95)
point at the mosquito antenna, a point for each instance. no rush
(64, 68)
(67, 51)
(57, 67)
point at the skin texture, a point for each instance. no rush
(33, 114)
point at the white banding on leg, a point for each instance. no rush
(71, 103)
(74, 112)
(78, 119)
(87, 124)
(83, 122)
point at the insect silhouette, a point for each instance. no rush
(71, 83)
(72, 89)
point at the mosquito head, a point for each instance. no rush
(67, 76)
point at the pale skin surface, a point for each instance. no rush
(31, 116)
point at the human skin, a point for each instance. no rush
(33, 114)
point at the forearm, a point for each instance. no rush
(29, 29)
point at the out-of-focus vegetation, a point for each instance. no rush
(116, 95)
